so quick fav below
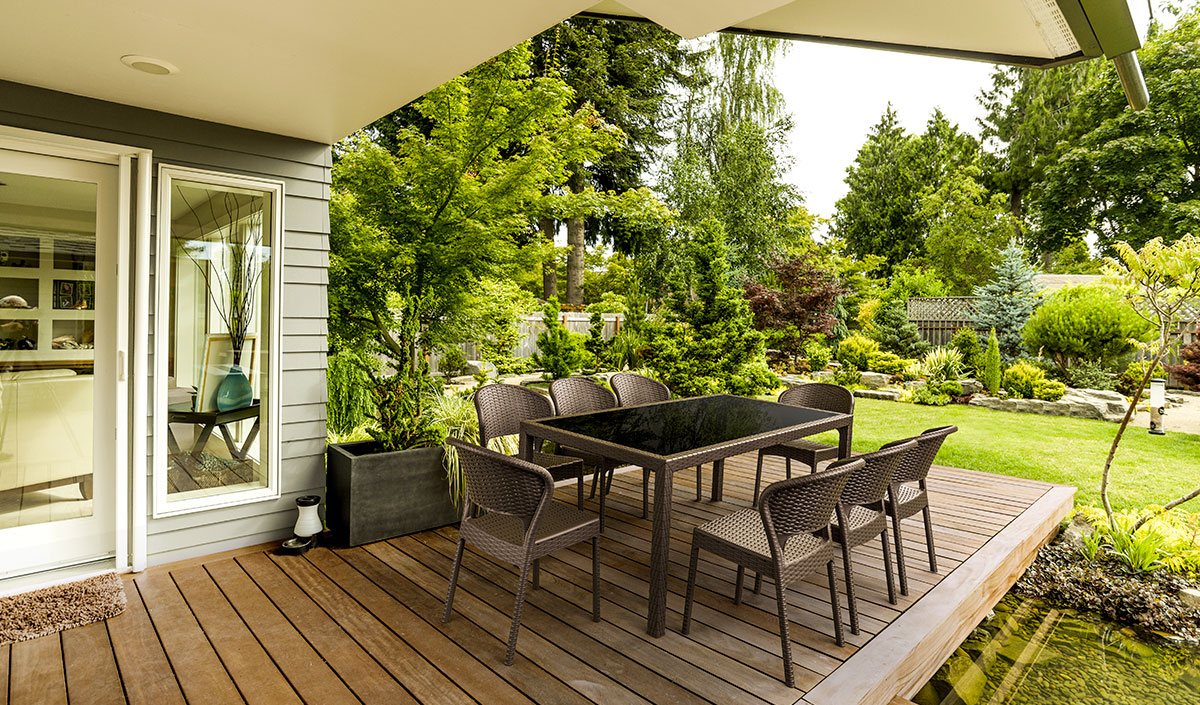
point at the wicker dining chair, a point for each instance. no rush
(815, 395)
(575, 395)
(788, 537)
(509, 512)
(634, 389)
(502, 407)
(904, 499)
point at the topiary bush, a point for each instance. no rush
(560, 351)
(855, 351)
(1129, 380)
(966, 342)
(991, 365)
(1049, 389)
(1020, 379)
(886, 363)
(1090, 323)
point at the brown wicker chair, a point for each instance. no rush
(634, 389)
(575, 395)
(502, 407)
(788, 538)
(905, 500)
(509, 512)
(816, 395)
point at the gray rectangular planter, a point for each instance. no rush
(374, 495)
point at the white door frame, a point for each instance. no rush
(132, 352)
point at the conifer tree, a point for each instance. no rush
(895, 333)
(991, 365)
(1006, 303)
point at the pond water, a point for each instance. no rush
(1031, 654)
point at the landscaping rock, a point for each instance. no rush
(914, 384)
(1190, 597)
(1076, 531)
(971, 386)
(884, 394)
(875, 380)
(476, 366)
(823, 376)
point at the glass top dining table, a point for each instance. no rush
(667, 436)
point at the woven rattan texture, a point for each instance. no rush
(575, 395)
(635, 389)
(502, 407)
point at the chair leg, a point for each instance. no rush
(603, 496)
(537, 573)
(458, 553)
(833, 601)
(929, 540)
(758, 583)
(691, 590)
(788, 463)
(645, 493)
(597, 478)
(887, 566)
(699, 482)
(517, 607)
(758, 479)
(737, 590)
(785, 639)
(595, 578)
(899, 554)
(849, 569)
(579, 499)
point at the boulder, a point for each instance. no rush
(474, 367)
(874, 380)
(971, 386)
(914, 383)
(1190, 597)
(1076, 531)
(884, 394)
(823, 376)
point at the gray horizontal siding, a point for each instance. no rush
(304, 168)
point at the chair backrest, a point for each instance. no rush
(502, 407)
(502, 484)
(575, 395)
(915, 464)
(635, 389)
(803, 504)
(820, 395)
(870, 483)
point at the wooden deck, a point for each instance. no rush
(363, 625)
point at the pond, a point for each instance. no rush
(1028, 653)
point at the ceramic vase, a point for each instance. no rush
(235, 391)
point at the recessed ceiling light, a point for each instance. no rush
(147, 64)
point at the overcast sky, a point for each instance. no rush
(837, 93)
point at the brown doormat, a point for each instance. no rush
(29, 615)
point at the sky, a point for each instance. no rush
(835, 94)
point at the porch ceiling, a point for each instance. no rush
(319, 70)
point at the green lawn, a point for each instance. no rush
(1148, 469)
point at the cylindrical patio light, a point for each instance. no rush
(1158, 403)
(308, 526)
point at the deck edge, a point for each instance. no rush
(908, 652)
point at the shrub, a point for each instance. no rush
(942, 363)
(911, 371)
(1020, 378)
(895, 333)
(929, 396)
(818, 354)
(599, 349)
(1129, 380)
(1006, 302)
(951, 388)
(966, 342)
(560, 351)
(453, 361)
(991, 365)
(1090, 323)
(349, 397)
(1090, 375)
(1049, 389)
(855, 351)
(1188, 371)
(886, 363)
(847, 376)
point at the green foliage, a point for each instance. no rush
(1007, 302)
(1090, 375)
(608, 302)
(895, 333)
(942, 364)
(1177, 537)
(625, 349)
(1021, 378)
(1131, 378)
(348, 381)
(794, 302)
(991, 365)
(817, 353)
(454, 416)
(453, 361)
(599, 350)
(855, 351)
(707, 343)
(400, 400)
(560, 351)
(912, 370)
(886, 363)
(966, 225)
(966, 342)
(1084, 324)
(1140, 551)
(847, 376)
(1048, 389)
(907, 281)
(493, 321)
(951, 388)
(930, 396)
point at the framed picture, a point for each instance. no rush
(218, 359)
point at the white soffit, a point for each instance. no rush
(312, 69)
(693, 18)
(1033, 30)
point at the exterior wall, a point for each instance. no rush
(304, 167)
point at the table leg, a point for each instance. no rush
(527, 446)
(844, 442)
(718, 484)
(198, 446)
(660, 553)
(239, 453)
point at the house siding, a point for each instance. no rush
(304, 168)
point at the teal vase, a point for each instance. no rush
(235, 391)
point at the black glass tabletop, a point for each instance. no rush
(684, 425)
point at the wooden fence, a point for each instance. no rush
(531, 326)
(937, 317)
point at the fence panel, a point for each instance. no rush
(530, 326)
(938, 317)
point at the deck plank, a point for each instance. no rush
(91, 667)
(145, 670)
(36, 672)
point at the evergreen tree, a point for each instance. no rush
(560, 351)
(895, 333)
(991, 364)
(708, 344)
(1006, 303)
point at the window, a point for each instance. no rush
(217, 404)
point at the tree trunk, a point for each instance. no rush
(550, 264)
(575, 240)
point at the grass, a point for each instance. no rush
(1147, 470)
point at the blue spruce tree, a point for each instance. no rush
(1007, 302)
